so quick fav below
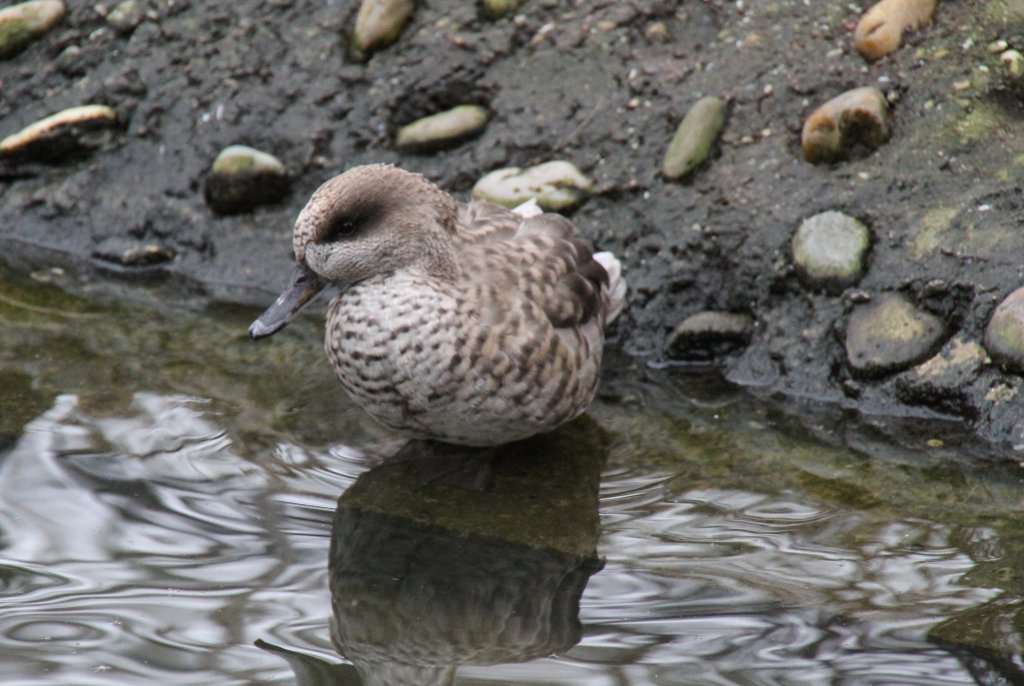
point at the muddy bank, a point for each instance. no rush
(601, 84)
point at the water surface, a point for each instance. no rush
(181, 505)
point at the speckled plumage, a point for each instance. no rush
(468, 324)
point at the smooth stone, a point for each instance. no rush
(694, 138)
(1013, 62)
(243, 178)
(23, 23)
(1004, 334)
(126, 16)
(443, 129)
(829, 249)
(127, 252)
(499, 8)
(708, 335)
(557, 186)
(891, 334)
(880, 30)
(657, 32)
(380, 22)
(66, 133)
(856, 117)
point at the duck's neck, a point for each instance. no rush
(437, 258)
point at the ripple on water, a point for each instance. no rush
(144, 541)
(24, 579)
(138, 544)
(781, 589)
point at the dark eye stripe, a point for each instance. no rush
(349, 221)
(339, 229)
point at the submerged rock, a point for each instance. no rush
(707, 335)
(692, 142)
(829, 250)
(889, 335)
(23, 23)
(62, 135)
(1004, 334)
(243, 178)
(443, 129)
(856, 117)
(379, 23)
(557, 186)
(881, 28)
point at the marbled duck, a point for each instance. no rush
(468, 324)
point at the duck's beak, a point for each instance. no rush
(304, 285)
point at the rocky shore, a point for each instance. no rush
(822, 209)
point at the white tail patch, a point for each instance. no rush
(528, 209)
(616, 283)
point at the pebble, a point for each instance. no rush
(379, 23)
(126, 16)
(443, 129)
(1013, 61)
(694, 138)
(1004, 334)
(881, 28)
(829, 250)
(557, 186)
(66, 133)
(243, 178)
(890, 335)
(657, 32)
(856, 117)
(499, 8)
(23, 23)
(708, 335)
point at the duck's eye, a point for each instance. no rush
(339, 229)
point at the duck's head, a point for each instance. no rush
(371, 220)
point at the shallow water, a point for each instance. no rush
(170, 513)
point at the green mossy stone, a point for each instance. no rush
(379, 23)
(443, 129)
(495, 9)
(691, 145)
(21, 24)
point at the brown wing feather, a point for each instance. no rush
(542, 257)
(485, 222)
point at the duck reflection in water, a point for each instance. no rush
(446, 556)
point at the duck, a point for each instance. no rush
(463, 323)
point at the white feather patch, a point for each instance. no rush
(528, 209)
(616, 283)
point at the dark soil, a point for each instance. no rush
(584, 81)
